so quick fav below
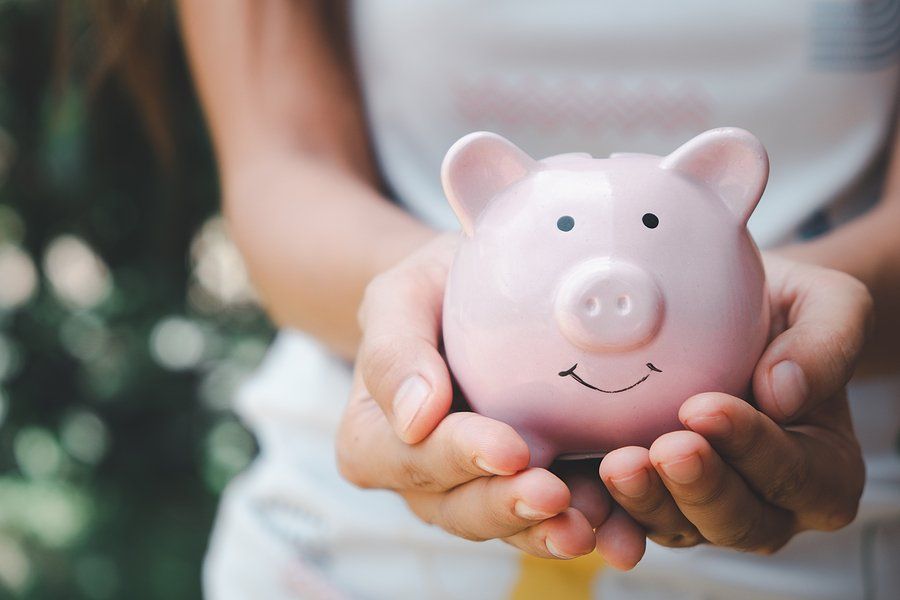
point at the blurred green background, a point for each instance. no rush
(126, 318)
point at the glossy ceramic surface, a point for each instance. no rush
(590, 298)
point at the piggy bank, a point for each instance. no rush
(590, 297)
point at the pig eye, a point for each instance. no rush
(565, 223)
(650, 220)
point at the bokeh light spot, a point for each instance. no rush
(218, 270)
(177, 343)
(53, 513)
(84, 436)
(37, 452)
(79, 277)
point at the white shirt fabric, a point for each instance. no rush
(618, 76)
(815, 80)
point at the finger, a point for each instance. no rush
(493, 507)
(589, 496)
(637, 488)
(464, 446)
(715, 498)
(827, 316)
(620, 540)
(398, 357)
(565, 536)
(819, 478)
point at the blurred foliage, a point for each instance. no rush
(126, 323)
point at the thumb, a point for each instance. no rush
(827, 314)
(398, 358)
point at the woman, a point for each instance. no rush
(293, 126)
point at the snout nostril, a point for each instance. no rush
(604, 304)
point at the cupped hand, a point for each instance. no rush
(747, 477)
(463, 472)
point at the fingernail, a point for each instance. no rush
(684, 470)
(716, 424)
(529, 513)
(484, 466)
(552, 550)
(788, 386)
(634, 485)
(409, 400)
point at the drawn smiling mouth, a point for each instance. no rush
(571, 373)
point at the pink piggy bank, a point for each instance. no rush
(589, 298)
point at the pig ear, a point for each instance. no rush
(477, 168)
(731, 161)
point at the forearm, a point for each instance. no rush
(300, 190)
(313, 237)
(869, 249)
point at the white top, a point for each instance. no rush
(815, 80)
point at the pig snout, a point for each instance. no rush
(608, 304)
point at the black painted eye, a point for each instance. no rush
(565, 223)
(650, 220)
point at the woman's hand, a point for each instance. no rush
(463, 472)
(737, 476)
(751, 478)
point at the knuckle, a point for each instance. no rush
(378, 357)
(764, 533)
(845, 507)
(379, 353)
(712, 495)
(470, 515)
(414, 477)
(856, 289)
(384, 290)
(500, 518)
(788, 484)
(742, 536)
(678, 539)
(650, 505)
(864, 298)
(451, 460)
(450, 521)
(841, 512)
(455, 426)
(842, 351)
(839, 519)
(751, 443)
(531, 541)
(459, 454)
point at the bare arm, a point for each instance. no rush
(869, 249)
(300, 189)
